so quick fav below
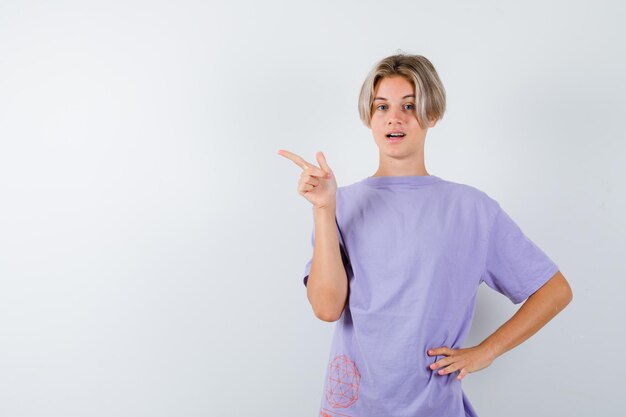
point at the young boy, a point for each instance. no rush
(398, 258)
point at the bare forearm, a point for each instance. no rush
(538, 310)
(327, 286)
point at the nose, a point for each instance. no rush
(394, 116)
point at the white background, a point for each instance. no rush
(152, 241)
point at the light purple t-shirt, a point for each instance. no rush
(415, 249)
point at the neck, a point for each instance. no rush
(393, 167)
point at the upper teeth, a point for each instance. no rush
(396, 134)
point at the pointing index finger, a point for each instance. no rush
(298, 160)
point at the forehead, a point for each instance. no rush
(394, 87)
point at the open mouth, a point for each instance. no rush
(395, 137)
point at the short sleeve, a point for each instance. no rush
(342, 248)
(514, 266)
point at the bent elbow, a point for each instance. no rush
(563, 301)
(568, 293)
(327, 316)
(570, 296)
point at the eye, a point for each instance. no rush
(382, 105)
(411, 105)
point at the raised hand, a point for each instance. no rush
(318, 185)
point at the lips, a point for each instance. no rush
(396, 134)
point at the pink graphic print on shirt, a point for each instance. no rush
(342, 384)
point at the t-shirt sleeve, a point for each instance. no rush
(514, 266)
(344, 256)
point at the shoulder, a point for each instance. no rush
(345, 191)
(469, 195)
(463, 190)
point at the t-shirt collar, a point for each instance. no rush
(401, 180)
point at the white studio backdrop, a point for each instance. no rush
(152, 241)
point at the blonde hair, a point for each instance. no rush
(420, 72)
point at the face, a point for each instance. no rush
(394, 111)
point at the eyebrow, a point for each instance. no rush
(382, 98)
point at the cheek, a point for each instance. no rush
(377, 126)
(378, 135)
(376, 130)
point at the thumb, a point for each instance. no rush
(323, 164)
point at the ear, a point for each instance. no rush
(432, 123)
